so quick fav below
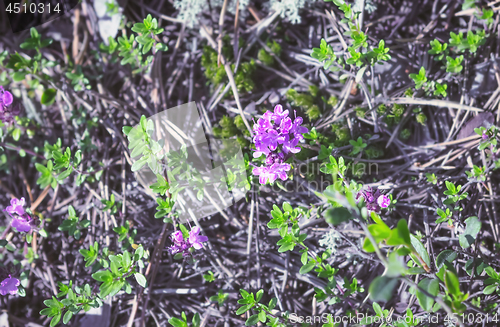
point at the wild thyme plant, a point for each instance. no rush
(360, 53)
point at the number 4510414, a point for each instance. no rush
(25, 8)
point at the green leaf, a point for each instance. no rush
(196, 320)
(377, 309)
(141, 280)
(103, 276)
(55, 320)
(336, 216)
(452, 283)
(432, 287)
(490, 289)
(479, 265)
(176, 322)
(253, 320)
(415, 271)
(381, 288)
(45, 312)
(243, 309)
(445, 257)
(422, 252)
(126, 259)
(473, 226)
(161, 47)
(400, 235)
(67, 317)
(307, 268)
(262, 316)
(395, 267)
(48, 97)
(16, 134)
(19, 76)
(139, 164)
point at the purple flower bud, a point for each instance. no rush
(383, 201)
(485, 136)
(7, 98)
(279, 114)
(9, 286)
(16, 207)
(21, 225)
(195, 239)
(177, 237)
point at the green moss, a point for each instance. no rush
(398, 110)
(238, 121)
(405, 134)
(313, 112)
(275, 47)
(266, 57)
(373, 152)
(409, 93)
(242, 141)
(213, 72)
(305, 101)
(382, 109)
(333, 100)
(243, 77)
(360, 112)
(228, 128)
(300, 99)
(216, 73)
(217, 131)
(421, 118)
(389, 120)
(342, 134)
(313, 90)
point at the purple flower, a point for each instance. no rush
(195, 239)
(271, 173)
(21, 225)
(298, 130)
(277, 137)
(6, 98)
(178, 237)
(183, 245)
(291, 146)
(485, 136)
(262, 125)
(263, 173)
(373, 200)
(279, 114)
(7, 113)
(275, 158)
(16, 206)
(9, 285)
(383, 201)
(267, 140)
(285, 127)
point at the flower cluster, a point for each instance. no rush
(22, 221)
(7, 111)
(9, 285)
(374, 200)
(276, 137)
(194, 240)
